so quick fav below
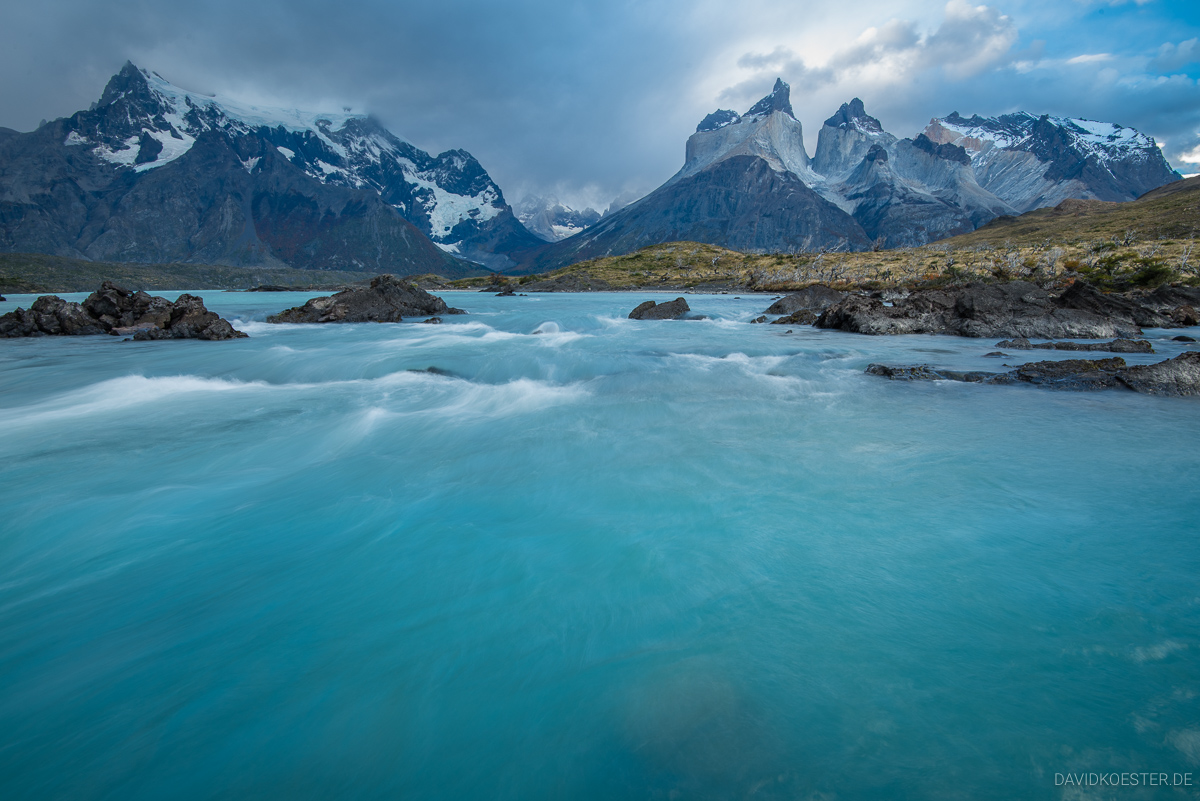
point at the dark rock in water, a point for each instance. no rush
(1178, 376)
(2, 298)
(817, 297)
(433, 321)
(1116, 346)
(916, 372)
(271, 288)
(798, 317)
(1173, 377)
(1074, 374)
(507, 292)
(671, 310)
(120, 312)
(1182, 338)
(761, 319)
(387, 300)
(996, 354)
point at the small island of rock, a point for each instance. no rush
(671, 310)
(387, 300)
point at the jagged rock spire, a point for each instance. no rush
(852, 113)
(780, 99)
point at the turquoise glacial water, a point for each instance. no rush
(590, 558)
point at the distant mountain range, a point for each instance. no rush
(552, 221)
(747, 182)
(154, 173)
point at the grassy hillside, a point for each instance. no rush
(1145, 242)
(37, 273)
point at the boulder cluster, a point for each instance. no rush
(119, 312)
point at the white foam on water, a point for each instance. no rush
(521, 396)
(119, 394)
(751, 364)
(259, 327)
(1159, 651)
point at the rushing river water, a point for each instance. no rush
(586, 557)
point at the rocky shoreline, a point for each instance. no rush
(119, 312)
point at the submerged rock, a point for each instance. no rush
(798, 317)
(1116, 346)
(120, 312)
(1174, 377)
(387, 300)
(671, 310)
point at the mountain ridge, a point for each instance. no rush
(68, 187)
(878, 190)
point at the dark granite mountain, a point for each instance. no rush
(747, 182)
(154, 173)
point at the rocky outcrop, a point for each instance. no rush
(120, 312)
(387, 300)
(1174, 377)
(817, 297)
(1116, 346)
(671, 310)
(1178, 376)
(1014, 309)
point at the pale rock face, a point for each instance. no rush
(776, 137)
(846, 138)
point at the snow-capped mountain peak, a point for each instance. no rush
(144, 122)
(1033, 161)
(780, 99)
(854, 115)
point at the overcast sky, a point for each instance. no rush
(591, 100)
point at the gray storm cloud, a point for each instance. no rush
(585, 100)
